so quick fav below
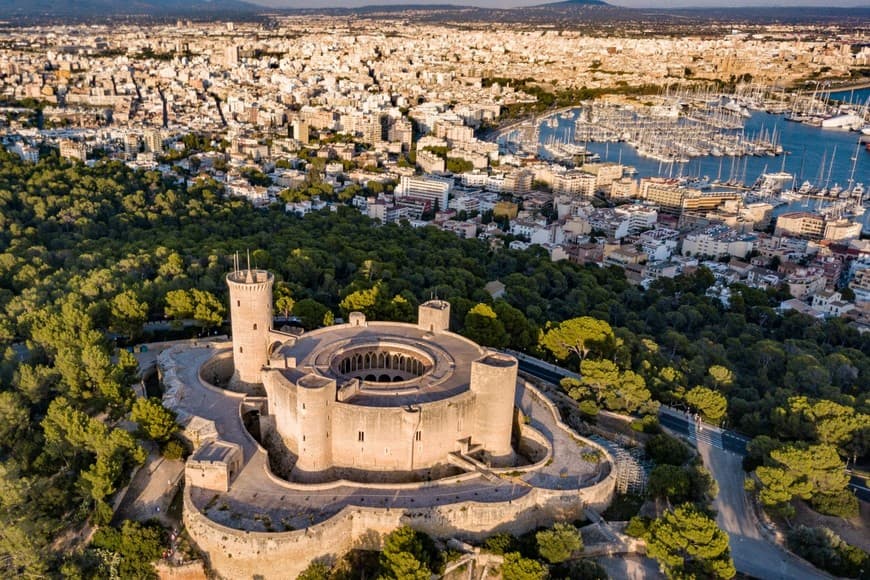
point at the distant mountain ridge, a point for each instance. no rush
(90, 8)
(563, 12)
(571, 4)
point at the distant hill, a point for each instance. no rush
(572, 4)
(97, 8)
(576, 13)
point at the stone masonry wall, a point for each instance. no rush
(241, 554)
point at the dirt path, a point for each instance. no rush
(855, 531)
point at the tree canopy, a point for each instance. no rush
(688, 544)
(83, 248)
(578, 336)
(559, 542)
(813, 472)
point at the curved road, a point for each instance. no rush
(753, 554)
(722, 452)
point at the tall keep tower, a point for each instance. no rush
(251, 319)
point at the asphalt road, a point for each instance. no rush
(722, 452)
(753, 554)
(730, 441)
(673, 420)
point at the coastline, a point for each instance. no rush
(851, 87)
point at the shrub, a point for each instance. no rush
(623, 507)
(637, 527)
(315, 571)
(588, 409)
(173, 450)
(648, 424)
(842, 503)
(826, 550)
(664, 449)
(515, 567)
(501, 543)
(136, 544)
(579, 570)
(559, 543)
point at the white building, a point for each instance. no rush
(718, 242)
(433, 189)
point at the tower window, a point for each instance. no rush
(418, 436)
(238, 302)
(241, 349)
(255, 326)
(361, 436)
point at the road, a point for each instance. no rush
(722, 452)
(733, 442)
(672, 419)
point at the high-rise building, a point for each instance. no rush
(300, 131)
(73, 150)
(231, 55)
(153, 139)
(433, 189)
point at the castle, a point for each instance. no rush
(378, 424)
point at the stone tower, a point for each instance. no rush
(251, 320)
(434, 316)
(494, 381)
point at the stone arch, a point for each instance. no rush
(384, 378)
(370, 378)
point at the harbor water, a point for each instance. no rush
(824, 157)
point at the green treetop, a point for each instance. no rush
(688, 544)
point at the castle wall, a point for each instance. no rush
(243, 554)
(251, 319)
(398, 438)
(406, 439)
(283, 406)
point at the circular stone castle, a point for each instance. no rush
(370, 425)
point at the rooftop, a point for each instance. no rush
(443, 361)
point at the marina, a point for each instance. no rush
(796, 166)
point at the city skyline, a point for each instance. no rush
(642, 4)
(434, 291)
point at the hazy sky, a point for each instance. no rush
(512, 3)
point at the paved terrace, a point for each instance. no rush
(258, 501)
